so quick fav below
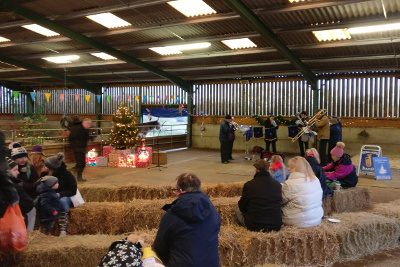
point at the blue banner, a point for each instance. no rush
(382, 168)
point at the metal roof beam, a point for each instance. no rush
(248, 16)
(95, 89)
(23, 12)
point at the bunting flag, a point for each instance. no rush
(77, 97)
(166, 97)
(170, 103)
(62, 97)
(184, 97)
(108, 98)
(87, 98)
(98, 98)
(158, 98)
(33, 95)
(16, 94)
(118, 97)
(129, 98)
(137, 98)
(47, 96)
(151, 98)
(172, 97)
(144, 98)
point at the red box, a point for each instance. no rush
(107, 150)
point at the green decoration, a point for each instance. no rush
(279, 119)
(363, 134)
(124, 132)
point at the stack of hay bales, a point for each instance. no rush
(391, 209)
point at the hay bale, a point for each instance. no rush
(391, 209)
(95, 193)
(364, 233)
(70, 251)
(351, 200)
(223, 189)
(290, 246)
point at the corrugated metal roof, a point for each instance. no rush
(155, 23)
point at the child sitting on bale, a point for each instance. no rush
(341, 169)
(49, 205)
(278, 169)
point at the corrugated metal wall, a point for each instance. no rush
(10, 104)
(343, 97)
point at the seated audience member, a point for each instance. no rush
(314, 161)
(25, 202)
(301, 196)
(37, 158)
(278, 169)
(188, 231)
(341, 169)
(260, 204)
(55, 166)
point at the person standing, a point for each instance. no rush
(224, 132)
(335, 130)
(322, 124)
(233, 125)
(260, 204)
(304, 138)
(188, 231)
(270, 132)
(79, 138)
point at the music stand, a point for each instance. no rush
(158, 152)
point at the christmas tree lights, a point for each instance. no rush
(124, 132)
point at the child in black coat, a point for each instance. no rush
(48, 203)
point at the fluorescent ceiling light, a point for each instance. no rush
(109, 20)
(62, 59)
(332, 35)
(296, 1)
(103, 56)
(192, 8)
(375, 28)
(239, 43)
(2, 39)
(41, 30)
(176, 49)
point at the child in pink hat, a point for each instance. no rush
(341, 169)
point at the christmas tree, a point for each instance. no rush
(124, 132)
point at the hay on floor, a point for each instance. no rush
(363, 233)
(391, 209)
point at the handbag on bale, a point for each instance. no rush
(123, 253)
(77, 199)
(13, 236)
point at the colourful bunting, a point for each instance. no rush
(172, 97)
(33, 96)
(166, 97)
(158, 98)
(16, 94)
(98, 98)
(108, 98)
(137, 98)
(129, 98)
(77, 97)
(144, 98)
(62, 97)
(47, 96)
(170, 103)
(87, 98)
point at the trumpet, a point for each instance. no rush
(234, 125)
(310, 122)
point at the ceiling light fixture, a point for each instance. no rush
(41, 30)
(192, 8)
(109, 20)
(332, 35)
(176, 49)
(62, 59)
(296, 1)
(239, 43)
(103, 56)
(375, 28)
(2, 39)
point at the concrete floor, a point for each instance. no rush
(208, 167)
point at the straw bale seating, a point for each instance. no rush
(356, 235)
(140, 214)
(391, 209)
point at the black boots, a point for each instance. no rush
(80, 179)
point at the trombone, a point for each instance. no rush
(310, 122)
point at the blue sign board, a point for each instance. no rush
(382, 168)
(366, 164)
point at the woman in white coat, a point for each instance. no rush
(301, 195)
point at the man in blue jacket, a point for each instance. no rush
(188, 231)
(224, 131)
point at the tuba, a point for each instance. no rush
(310, 122)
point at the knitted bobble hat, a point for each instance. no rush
(337, 151)
(54, 162)
(11, 163)
(18, 152)
(50, 181)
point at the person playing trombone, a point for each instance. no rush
(322, 124)
(304, 138)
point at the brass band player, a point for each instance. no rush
(322, 124)
(270, 132)
(304, 138)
